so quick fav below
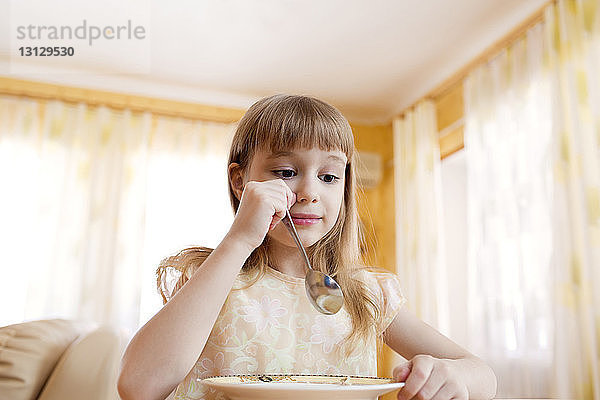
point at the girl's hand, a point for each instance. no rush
(262, 206)
(428, 378)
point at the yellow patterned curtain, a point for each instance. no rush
(573, 59)
(532, 140)
(92, 200)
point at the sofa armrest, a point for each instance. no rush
(28, 353)
(88, 369)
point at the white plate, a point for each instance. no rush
(301, 387)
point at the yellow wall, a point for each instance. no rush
(376, 209)
(376, 206)
(450, 119)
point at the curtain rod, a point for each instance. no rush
(118, 101)
(489, 53)
(492, 51)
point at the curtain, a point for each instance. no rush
(419, 220)
(93, 199)
(573, 36)
(532, 132)
(509, 217)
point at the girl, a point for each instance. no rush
(242, 308)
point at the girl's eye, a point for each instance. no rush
(328, 178)
(285, 173)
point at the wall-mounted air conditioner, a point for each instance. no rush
(369, 169)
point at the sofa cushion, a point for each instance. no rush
(88, 369)
(28, 353)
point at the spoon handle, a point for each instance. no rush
(287, 221)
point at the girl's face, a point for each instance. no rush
(317, 177)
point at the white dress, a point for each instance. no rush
(271, 327)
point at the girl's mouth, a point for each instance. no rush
(305, 219)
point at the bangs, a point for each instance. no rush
(283, 122)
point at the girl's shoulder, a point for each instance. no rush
(174, 271)
(385, 286)
(379, 279)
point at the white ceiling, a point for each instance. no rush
(371, 58)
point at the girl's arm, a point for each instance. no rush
(166, 348)
(437, 368)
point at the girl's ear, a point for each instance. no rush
(236, 179)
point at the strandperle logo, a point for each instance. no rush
(90, 33)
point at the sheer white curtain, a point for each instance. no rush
(92, 200)
(508, 146)
(419, 220)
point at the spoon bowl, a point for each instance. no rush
(322, 290)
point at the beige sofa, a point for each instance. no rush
(59, 359)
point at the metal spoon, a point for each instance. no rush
(323, 291)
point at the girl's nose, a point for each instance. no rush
(306, 193)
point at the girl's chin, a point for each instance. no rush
(286, 239)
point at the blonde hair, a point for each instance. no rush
(285, 122)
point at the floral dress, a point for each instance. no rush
(272, 328)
